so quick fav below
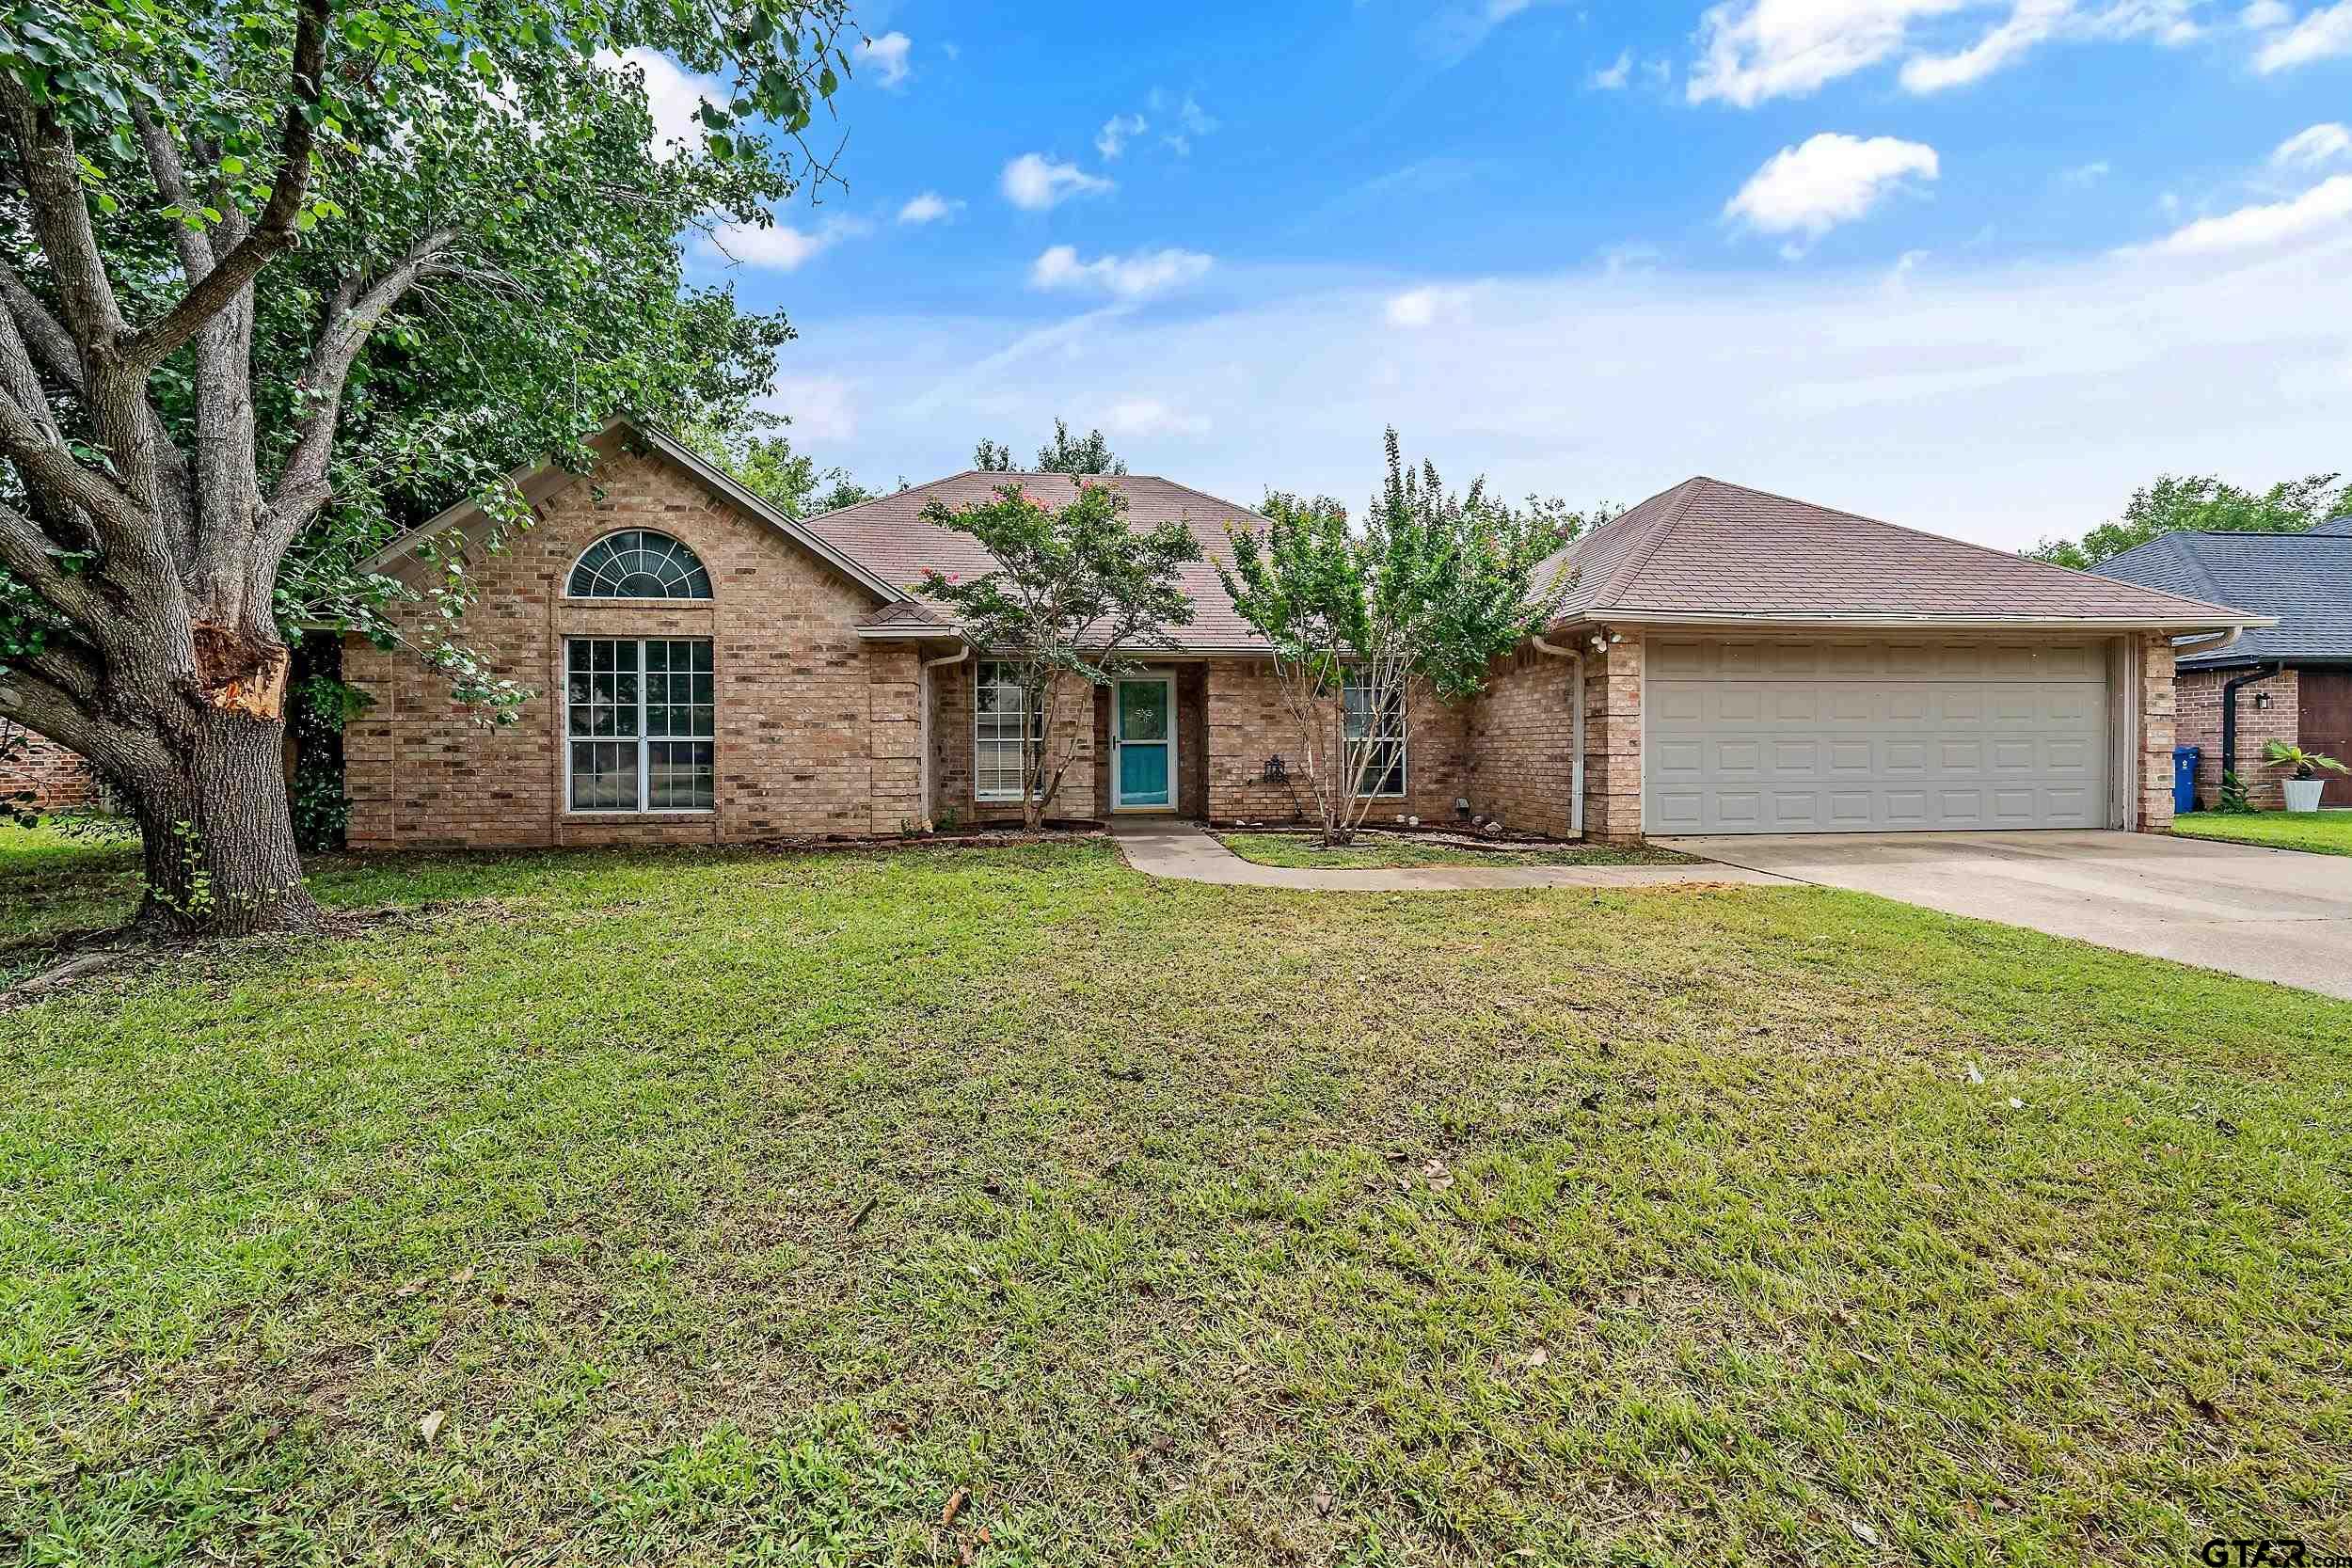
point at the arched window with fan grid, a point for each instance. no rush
(638, 563)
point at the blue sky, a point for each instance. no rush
(1978, 266)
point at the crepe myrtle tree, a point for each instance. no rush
(1076, 593)
(279, 275)
(1425, 597)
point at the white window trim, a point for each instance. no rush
(643, 741)
(1403, 741)
(994, 796)
(571, 571)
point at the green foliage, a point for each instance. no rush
(319, 705)
(2302, 764)
(2234, 800)
(2203, 503)
(2315, 832)
(1089, 453)
(521, 129)
(1434, 588)
(788, 479)
(1075, 592)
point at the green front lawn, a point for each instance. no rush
(1375, 851)
(738, 1206)
(2325, 832)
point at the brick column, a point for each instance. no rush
(1613, 741)
(895, 735)
(2157, 715)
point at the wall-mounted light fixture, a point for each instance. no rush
(2261, 698)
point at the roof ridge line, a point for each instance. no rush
(2017, 555)
(1632, 565)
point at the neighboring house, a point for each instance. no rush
(1728, 662)
(40, 775)
(2290, 682)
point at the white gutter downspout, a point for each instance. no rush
(924, 730)
(1575, 747)
(2191, 645)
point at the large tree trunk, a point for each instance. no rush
(216, 836)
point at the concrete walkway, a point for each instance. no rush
(2268, 914)
(1188, 853)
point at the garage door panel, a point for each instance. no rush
(1796, 704)
(1674, 658)
(1749, 737)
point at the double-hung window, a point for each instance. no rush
(1375, 736)
(1000, 719)
(640, 724)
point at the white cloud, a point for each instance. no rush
(1033, 182)
(888, 56)
(2083, 176)
(2088, 376)
(1418, 307)
(1190, 117)
(818, 407)
(2264, 14)
(1752, 50)
(1136, 276)
(930, 207)
(1755, 50)
(1611, 78)
(675, 96)
(1117, 131)
(1193, 117)
(2326, 206)
(2321, 144)
(780, 246)
(1135, 417)
(2322, 34)
(1831, 178)
(2032, 21)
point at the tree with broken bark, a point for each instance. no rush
(281, 275)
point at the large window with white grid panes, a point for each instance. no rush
(640, 724)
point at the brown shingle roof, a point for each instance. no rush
(888, 535)
(1706, 548)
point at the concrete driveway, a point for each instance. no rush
(2268, 915)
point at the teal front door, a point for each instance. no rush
(1143, 742)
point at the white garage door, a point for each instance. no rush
(1880, 736)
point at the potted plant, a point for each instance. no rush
(2303, 782)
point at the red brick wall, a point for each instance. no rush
(57, 779)
(1246, 721)
(2196, 696)
(816, 732)
(952, 789)
(1522, 745)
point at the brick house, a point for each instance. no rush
(2290, 682)
(42, 776)
(1726, 661)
